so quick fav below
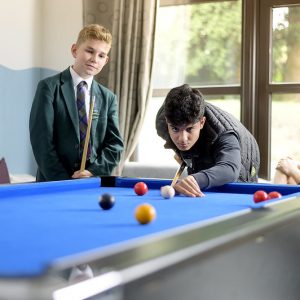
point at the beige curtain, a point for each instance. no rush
(129, 72)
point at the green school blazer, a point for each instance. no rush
(54, 129)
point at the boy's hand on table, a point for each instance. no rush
(189, 187)
(82, 174)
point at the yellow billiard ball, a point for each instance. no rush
(145, 213)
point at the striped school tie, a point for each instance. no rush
(81, 92)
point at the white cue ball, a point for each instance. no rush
(167, 191)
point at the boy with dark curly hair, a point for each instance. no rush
(215, 146)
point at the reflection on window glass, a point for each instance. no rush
(151, 149)
(285, 134)
(151, 146)
(286, 44)
(199, 44)
(231, 104)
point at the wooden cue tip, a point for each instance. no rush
(178, 173)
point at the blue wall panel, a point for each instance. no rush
(17, 89)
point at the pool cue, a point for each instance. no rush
(178, 173)
(87, 136)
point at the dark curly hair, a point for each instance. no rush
(184, 105)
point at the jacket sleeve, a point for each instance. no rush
(109, 155)
(227, 163)
(41, 134)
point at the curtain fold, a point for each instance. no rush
(129, 72)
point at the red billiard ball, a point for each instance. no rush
(274, 195)
(141, 188)
(260, 196)
(106, 201)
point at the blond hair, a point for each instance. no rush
(94, 32)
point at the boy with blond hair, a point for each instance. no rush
(60, 111)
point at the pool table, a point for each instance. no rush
(57, 243)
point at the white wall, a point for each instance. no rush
(20, 22)
(36, 38)
(38, 33)
(62, 21)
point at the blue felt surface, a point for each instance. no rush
(48, 221)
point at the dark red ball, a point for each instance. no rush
(260, 196)
(274, 195)
(141, 188)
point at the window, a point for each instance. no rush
(278, 100)
(285, 127)
(285, 68)
(198, 44)
(285, 37)
(244, 56)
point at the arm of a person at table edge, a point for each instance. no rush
(290, 167)
(109, 150)
(296, 173)
(42, 136)
(227, 155)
